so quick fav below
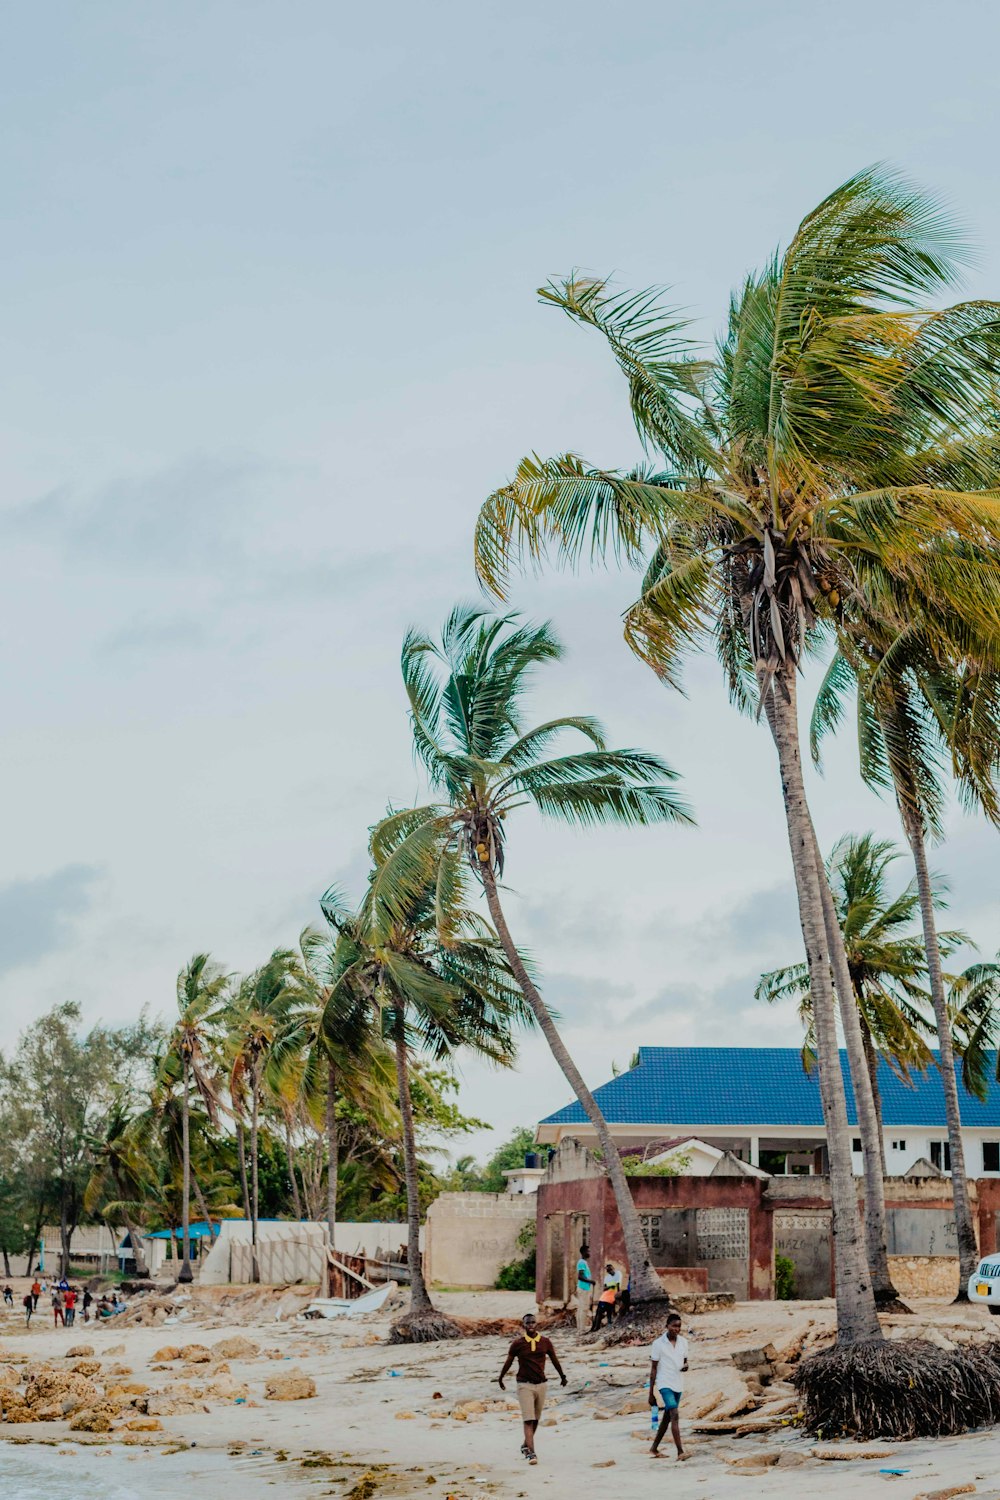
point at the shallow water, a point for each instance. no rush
(28, 1472)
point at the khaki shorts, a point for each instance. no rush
(531, 1398)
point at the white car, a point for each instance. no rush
(984, 1284)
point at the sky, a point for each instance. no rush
(270, 338)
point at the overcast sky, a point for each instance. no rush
(270, 336)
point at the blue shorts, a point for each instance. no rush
(671, 1399)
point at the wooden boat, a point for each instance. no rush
(350, 1307)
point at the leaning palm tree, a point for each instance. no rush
(429, 995)
(922, 709)
(887, 962)
(331, 1051)
(801, 477)
(120, 1181)
(469, 730)
(257, 1014)
(201, 988)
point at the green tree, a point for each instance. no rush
(505, 1159)
(920, 715)
(119, 1182)
(838, 453)
(202, 988)
(332, 1050)
(431, 996)
(887, 963)
(468, 728)
(256, 1018)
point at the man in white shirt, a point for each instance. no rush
(668, 1367)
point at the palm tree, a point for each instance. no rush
(916, 712)
(430, 995)
(468, 726)
(256, 1017)
(887, 963)
(801, 479)
(331, 1050)
(119, 1181)
(201, 987)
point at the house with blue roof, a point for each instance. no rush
(761, 1104)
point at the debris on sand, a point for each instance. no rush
(900, 1389)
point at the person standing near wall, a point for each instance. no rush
(584, 1291)
(605, 1309)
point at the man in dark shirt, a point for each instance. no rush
(531, 1351)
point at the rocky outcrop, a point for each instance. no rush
(295, 1385)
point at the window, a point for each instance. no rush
(991, 1156)
(898, 1146)
(941, 1155)
(856, 1144)
(651, 1229)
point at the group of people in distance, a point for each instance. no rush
(65, 1301)
(668, 1361)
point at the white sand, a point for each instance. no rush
(356, 1422)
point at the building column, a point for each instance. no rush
(755, 1150)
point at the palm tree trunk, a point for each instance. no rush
(290, 1157)
(856, 1315)
(332, 1151)
(241, 1153)
(968, 1252)
(254, 1178)
(138, 1254)
(869, 1119)
(871, 1058)
(203, 1206)
(186, 1274)
(646, 1285)
(419, 1296)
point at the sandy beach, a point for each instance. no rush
(390, 1420)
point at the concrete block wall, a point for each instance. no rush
(469, 1236)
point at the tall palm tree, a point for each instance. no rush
(430, 995)
(119, 1182)
(201, 988)
(332, 1050)
(256, 1017)
(921, 712)
(468, 726)
(887, 963)
(800, 479)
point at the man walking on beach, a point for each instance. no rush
(36, 1292)
(584, 1291)
(668, 1367)
(57, 1308)
(531, 1351)
(69, 1303)
(28, 1302)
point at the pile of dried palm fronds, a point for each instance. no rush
(477, 1328)
(901, 1388)
(643, 1323)
(426, 1326)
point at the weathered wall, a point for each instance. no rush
(732, 1228)
(924, 1275)
(469, 1236)
(292, 1254)
(803, 1236)
(714, 1222)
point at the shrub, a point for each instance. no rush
(785, 1288)
(517, 1275)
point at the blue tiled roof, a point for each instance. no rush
(761, 1086)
